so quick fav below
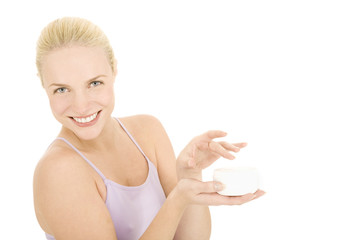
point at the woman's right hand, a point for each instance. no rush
(192, 191)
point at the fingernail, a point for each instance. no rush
(218, 186)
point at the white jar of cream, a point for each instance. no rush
(237, 181)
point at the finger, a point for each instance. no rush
(198, 187)
(216, 199)
(219, 149)
(240, 145)
(207, 194)
(210, 135)
(210, 187)
(229, 146)
(236, 200)
(258, 194)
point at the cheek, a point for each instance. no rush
(108, 97)
(58, 106)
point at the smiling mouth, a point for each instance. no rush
(86, 119)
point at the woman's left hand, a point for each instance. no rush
(202, 151)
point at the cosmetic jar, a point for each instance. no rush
(237, 181)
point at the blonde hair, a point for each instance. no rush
(68, 31)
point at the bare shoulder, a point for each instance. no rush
(65, 196)
(58, 165)
(145, 128)
(58, 161)
(147, 131)
(141, 122)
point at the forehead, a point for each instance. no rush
(75, 63)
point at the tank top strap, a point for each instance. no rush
(133, 140)
(83, 156)
(91, 164)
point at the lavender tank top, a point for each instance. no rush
(132, 209)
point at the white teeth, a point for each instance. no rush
(86, 120)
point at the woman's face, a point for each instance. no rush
(80, 85)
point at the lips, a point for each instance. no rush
(86, 120)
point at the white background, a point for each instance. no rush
(281, 75)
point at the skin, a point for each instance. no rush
(69, 195)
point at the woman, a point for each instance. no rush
(96, 181)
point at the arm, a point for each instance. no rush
(67, 202)
(186, 208)
(195, 222)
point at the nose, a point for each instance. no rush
(80, 103)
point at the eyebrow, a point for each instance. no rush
(65, 85)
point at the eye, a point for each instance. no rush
(61, 90)
(95, 83)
